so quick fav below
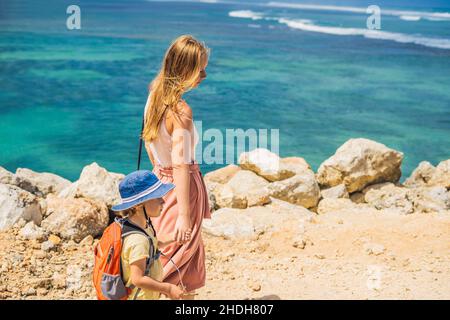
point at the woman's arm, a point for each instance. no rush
(138, 278)
(181, 155)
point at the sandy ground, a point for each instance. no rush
(337, 262)
(345, 256)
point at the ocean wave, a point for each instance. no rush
(308, 25)
(432, 16)
(371, 34)
(246, 14)
(410, 18)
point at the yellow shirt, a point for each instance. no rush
(134, 248)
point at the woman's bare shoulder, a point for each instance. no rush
(182, 111)
(180, 116)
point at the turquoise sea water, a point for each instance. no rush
(71, 97)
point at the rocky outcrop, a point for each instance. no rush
(244, 189)
(358, 163)
(301, 189)
(222, 175)
(295, 164)
(75, 218)
(266, 164)
(40, 183)
(339, 191)
(408, 200)
(421, 175)
(16, 204)
(95, 183)
(441, 176)
(331, 205)
(249, 223)
(430, 199)
(388, 196)
(7, 177)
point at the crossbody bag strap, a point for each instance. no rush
(139, 165)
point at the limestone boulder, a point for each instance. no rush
(222, 175)
(244, 189)
(441, 176)
(75, 218)
(339, 191)
(295, 164)
(16, 204)
(40, 183)
(421, 175)
(433, 199)
(251, 222)
(95, 183)
(7, 177)
(266, 164)
(300, 189)
(389, 196)
(342, 205)
(358, 163)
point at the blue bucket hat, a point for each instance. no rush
(140, 186)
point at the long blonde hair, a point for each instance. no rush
(179, 72)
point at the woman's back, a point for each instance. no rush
(160, 149)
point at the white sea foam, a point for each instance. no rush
(308, 25)
(246, 14)
(410, 18)
(434, 16)
(371, 34)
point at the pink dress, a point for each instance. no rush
(189, 257)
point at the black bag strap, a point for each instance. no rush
(140, 144)
(149, 222)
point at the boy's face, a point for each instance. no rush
(154, 207)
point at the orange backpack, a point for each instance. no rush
(107, 275)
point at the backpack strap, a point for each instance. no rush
(129, 228)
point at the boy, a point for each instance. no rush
(141, 192)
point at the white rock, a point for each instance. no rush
(301, 189)
(95, 183)
(40, 183)
(266, 164)
(441, 176)
(389, 196)
(421, 175)
(222, 175)
(16, 203)
(358, 163)
(244, 189)
(330, 205)
(295, 164)
(230, 223)
(374, 248)
(336, 192)
(32, 232)
(75, 218)
(430, 199)
(7, 177)
(47, 245)
(249, 223)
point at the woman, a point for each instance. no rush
(170, 138)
